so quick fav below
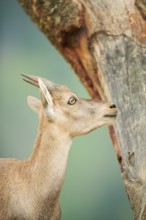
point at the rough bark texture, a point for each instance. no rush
(105, 42)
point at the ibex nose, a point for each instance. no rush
(113, 106)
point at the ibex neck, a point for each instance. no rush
(49, 158)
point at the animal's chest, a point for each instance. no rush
(28, 209)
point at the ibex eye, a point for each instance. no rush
(72, 101)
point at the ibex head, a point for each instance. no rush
(61, 106)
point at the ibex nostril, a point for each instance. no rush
(113, 106)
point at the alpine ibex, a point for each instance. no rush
(29, 189)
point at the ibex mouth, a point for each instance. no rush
(111, 115)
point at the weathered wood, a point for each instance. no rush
(105, 42)
(125, 72)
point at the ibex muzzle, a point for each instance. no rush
(30, 189)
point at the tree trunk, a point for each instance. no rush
(105, 42)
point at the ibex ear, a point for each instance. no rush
(34, 103)
(46, 99)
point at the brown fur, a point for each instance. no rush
(29, 189)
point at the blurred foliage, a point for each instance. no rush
(93, 187)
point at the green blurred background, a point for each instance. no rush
(93, 188)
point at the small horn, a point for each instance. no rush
(30, 79)
(34, 81)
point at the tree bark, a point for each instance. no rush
(105, 42)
